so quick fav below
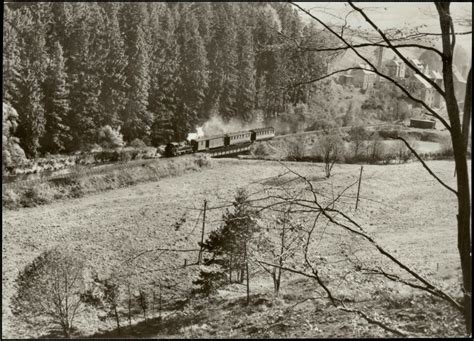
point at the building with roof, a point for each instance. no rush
(395, 68)
(363, 79)
(415, 62)
(421, 89)
(438, 79)
(346, 79)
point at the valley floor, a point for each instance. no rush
(403, 207)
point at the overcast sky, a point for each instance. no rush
(394, 15)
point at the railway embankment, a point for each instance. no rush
(42, 191)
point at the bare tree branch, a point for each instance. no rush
(384, 252)
(425, 166)
(339, 48)
(375, 70)
(401, 56)
(393, 330)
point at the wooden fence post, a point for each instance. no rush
(202, 233)
(358, 187)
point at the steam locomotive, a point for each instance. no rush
(214, 142)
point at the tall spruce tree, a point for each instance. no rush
(192, 75)
(29, 99)
(145, 67)
(164, 76)
(267, 60)
(11, 52)
(221, 93)
(246, 74)
(56, 104)
(228, 96)
(112, 98)
(136, 118)
(83, 65)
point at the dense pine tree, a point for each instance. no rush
(154, 69)
(56, 103)
(29, 99)
(193, 75)
(84, 80)
(114, 86)
(11, 54)
(246, 74)
(164, 76)
(137, 119)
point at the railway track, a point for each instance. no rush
(80, 171)
(306, 133)
(221, 152)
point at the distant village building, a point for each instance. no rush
(421, 89)
(346, 79)
(438, 79)
(414, 82)
(415, 62)
(423, 124)
(363, 79)
(396, 68)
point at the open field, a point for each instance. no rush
(405, 209)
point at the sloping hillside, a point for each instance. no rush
(401, 205)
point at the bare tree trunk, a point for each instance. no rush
(464, 212)
(117, 319)
(278, 271)
(248, 282)
(161, 301)
(129, 306)
(274, 278)
(247, 273)
(230, 269)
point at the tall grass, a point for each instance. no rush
(79, 184)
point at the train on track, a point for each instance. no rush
(215, 143)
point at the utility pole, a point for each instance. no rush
(203, 229)
(161, 307)
(358, 187)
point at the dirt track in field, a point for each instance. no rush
(405, 209)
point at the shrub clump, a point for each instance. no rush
(259, 150)
(110, 137)
(295, 150)
(38, 194)
(10, 199)
(203, 161)
(48, 291)
(137, 143)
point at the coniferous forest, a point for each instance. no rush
(152, 70)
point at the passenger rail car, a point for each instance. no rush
(238, 137)
(220, 141)
(229, 139)
(260, 134)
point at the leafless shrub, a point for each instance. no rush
(295, 149)
(48, 290)
(260, 149)
(330, 147)
(374, 148)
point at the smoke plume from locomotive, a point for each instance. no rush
(215, 125)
